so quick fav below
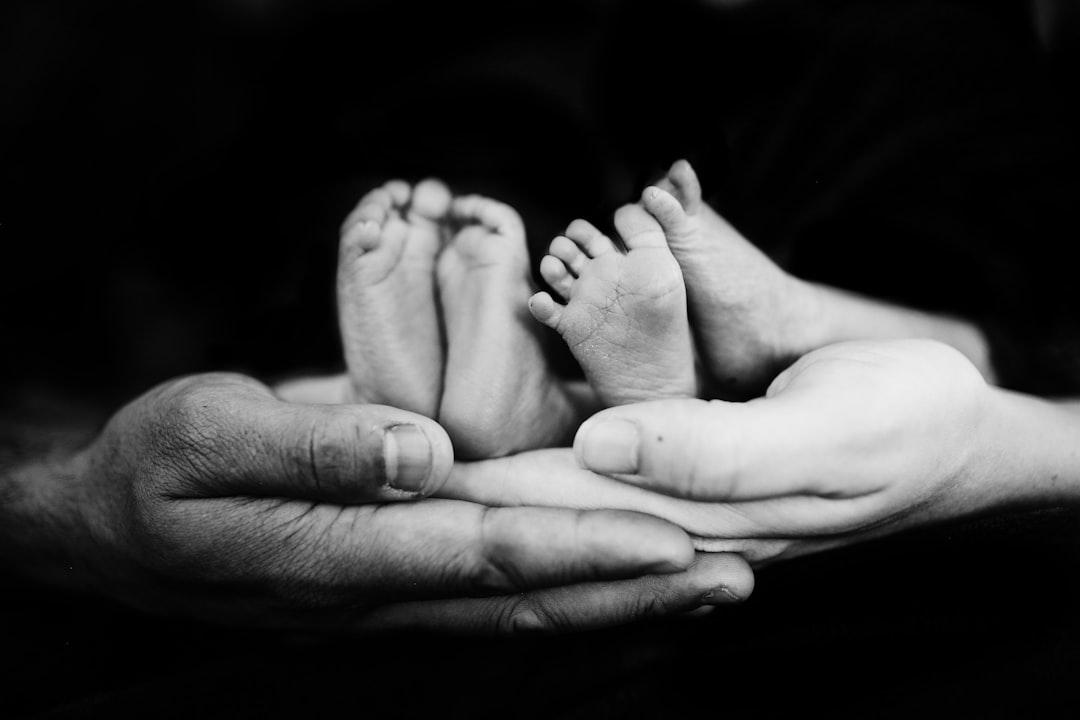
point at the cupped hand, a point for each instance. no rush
(853, 440)
(212, 497)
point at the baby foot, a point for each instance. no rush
(386, 295)
(746, 312)
(499, 396)
(624, 317)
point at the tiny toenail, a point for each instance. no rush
(407, 457)
(611, 446)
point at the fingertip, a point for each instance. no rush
(579, 438)
(660, 547)
(417, 456)
(677, 547)
(442, 458)
(730, 577)
(702, 611)
(608, 445)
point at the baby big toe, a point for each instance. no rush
(638, 228)
(544, 308)
(431, 200)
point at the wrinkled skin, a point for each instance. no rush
(210, 496)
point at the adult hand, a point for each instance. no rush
(853, 440)
(209, 496)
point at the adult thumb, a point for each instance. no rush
(242, 440)
(709, 451)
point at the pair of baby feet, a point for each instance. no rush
(432, 293)
(433, 290)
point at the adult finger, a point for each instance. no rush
(552, 478)
(233, 437)
(320, 556)
(715, 450)
(317, 390)
(756, 529)
(713, 580)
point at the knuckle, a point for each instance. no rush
(523, 615)
(193, 417)
(181, 431)
(490, 576)
(489, 569)
(290, 558)
(336, 454)
(651, 604)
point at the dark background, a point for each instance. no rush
(173, 175)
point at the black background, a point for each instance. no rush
(173, 175)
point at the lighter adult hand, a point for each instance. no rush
(854, 420)
(853, 440)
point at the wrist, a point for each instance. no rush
(1027, 450)
(832, 315)
(41, 519)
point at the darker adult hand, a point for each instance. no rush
(211, 497)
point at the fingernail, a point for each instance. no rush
(720, 596)
(610, 446)
(407, 455)
(664, 567)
